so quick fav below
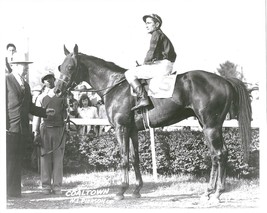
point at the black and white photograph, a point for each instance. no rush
(148, 105)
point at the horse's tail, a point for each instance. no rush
(242, 109)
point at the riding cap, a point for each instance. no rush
(47, 73)
(155, 17)
(19, 59)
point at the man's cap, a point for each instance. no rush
(45, 74)
(19, 59)
(155, 17)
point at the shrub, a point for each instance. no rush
(182, 151)
(89, 153)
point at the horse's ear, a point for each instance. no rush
(66, 51)
(75, 50)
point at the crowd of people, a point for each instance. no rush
(87, 105)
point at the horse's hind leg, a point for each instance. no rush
(122, 135)
(135, 157)
(219, 158)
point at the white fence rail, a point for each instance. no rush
(191, 123)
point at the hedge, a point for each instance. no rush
(182, 151)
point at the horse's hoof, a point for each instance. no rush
(214, 200)
(204, 198)
(136, 195)
(119, 197)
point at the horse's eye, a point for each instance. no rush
(67, 79)
(70, 67)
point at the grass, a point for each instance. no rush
(183, 183)
(176, 191)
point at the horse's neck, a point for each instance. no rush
(101, 77)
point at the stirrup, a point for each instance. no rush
(142, 103)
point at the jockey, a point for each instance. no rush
(158, 61)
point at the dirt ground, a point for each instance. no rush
(35, 200)
(155, 195)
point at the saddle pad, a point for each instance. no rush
(162, 87)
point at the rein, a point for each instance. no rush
(99, 90)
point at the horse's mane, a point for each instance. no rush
(110, 65)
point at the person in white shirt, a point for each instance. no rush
(51, 130)
(86, 110)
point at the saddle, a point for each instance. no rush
(162, 87)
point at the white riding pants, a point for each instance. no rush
(157, 69)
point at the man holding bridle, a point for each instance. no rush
(51, 130)
(158, 61)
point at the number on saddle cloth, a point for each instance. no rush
(162, 87)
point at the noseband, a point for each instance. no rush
(71, 83)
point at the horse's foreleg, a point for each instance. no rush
(219, 158)
(122, 135)
(135, 156)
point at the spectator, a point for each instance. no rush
(18, 106)
(73, 108)
(81, 89)
(94, 98)
(102, 115)
(70, 96)
(36, 91)
(11, 49)
(86, 110)
(72, 105)
(51, 130)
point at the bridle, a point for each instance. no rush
(71, 84)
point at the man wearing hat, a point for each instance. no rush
(18, 107)
(53, 137)
(158, 61)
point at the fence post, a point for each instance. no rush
(153, 151)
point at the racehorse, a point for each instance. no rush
(205, 95)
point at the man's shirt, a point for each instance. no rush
(47, 99)
(160, 48)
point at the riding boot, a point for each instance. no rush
(142, 99)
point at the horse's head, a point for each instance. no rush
(69, 70)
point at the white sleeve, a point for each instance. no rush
(36, 121)
(95, 113)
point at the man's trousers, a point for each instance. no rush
(52, 164)
(14, 156)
